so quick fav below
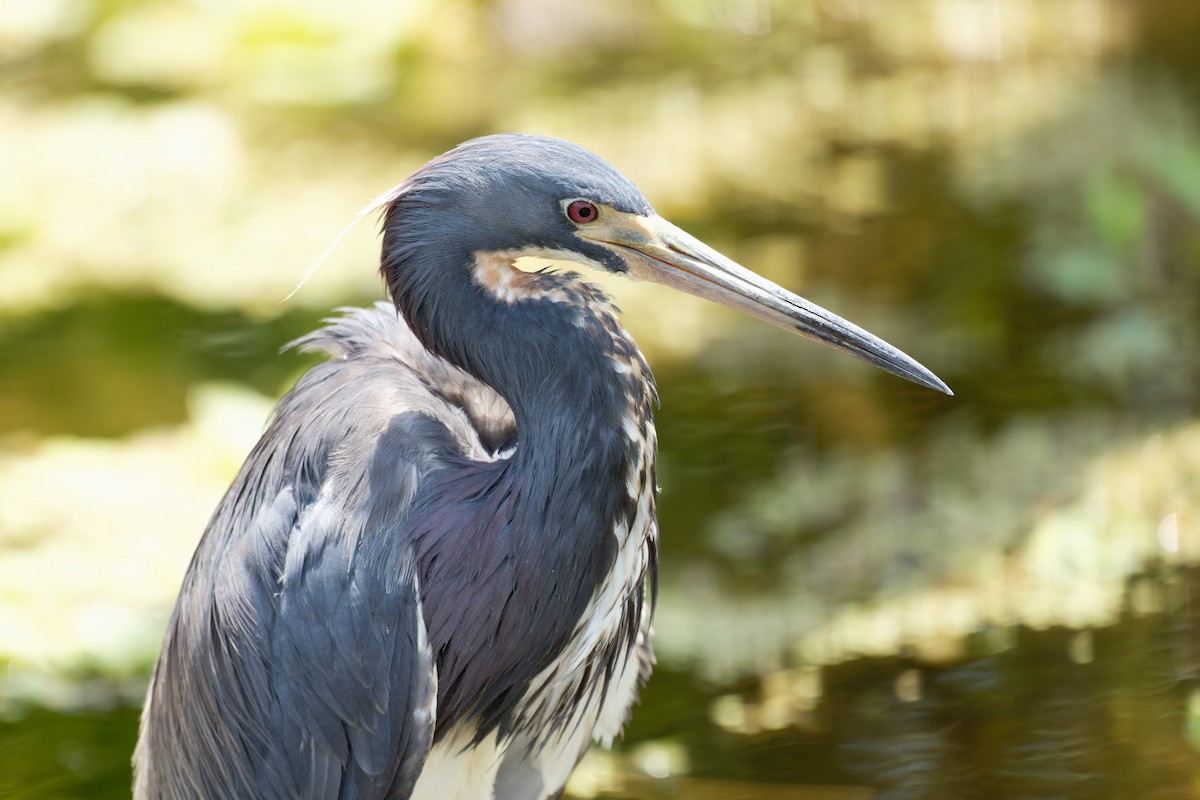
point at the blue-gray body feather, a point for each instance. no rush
(376, 500)
(307, 662)
(445, 538)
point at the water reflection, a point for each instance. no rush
(1106, 712)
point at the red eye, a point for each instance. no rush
(582, 212)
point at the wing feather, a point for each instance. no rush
(297, 661)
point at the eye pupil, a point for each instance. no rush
(582, 211)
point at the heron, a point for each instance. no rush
(434, 577)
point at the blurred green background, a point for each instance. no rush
(868, 590)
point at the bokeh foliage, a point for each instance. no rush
(857, 574)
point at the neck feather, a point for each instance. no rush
(543, 528)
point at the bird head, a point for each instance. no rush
(497, 198)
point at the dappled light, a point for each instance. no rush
(868, 590)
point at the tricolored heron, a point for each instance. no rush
(435, 573)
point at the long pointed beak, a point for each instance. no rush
(658, 251)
